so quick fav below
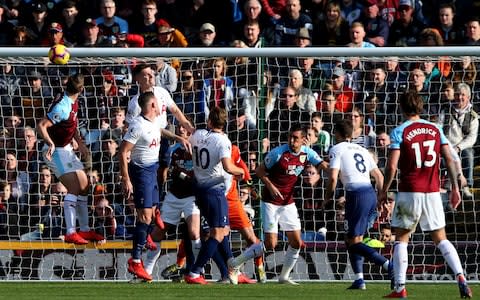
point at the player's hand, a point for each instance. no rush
(275, 192)
(49, 153)
(127, 188)
(186, 144)
(455, 198)
(382, 197)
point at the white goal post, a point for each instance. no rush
(28, 253)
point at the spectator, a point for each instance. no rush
(28, 158)
(241, 131)
(381, 147)
(460, 124)
(303, 38)
(71, 23)
(308, 197)
(106, 161)
(55, 35)
(90, 34)
(104, 218)
(465, 71)
(396, 76)
(110, 26)
(334, 29)
(324, 137)
(313, 77)
(472, 32)
(206, 36)
(274, 9)
(405, 30)
(386, 235)
(343, 94)
(378, 86)
(389, 10)
(417, 83)
(38, 24)
(362, 135)
(166, 76)
(9, 84)
(351, 10)
(22, 36)
(45, 213)
(188, 99)
(288, 26)
(167, 36)
(34, 98)
(330, 115)
(376, 28)
(306, 100)
(6, 28)
(5, 193)
(218, 90)
(18, 180)
(147, 26)
(355, 74)
(284, 116)
(447, 24)
(357, 36)
(251, 34)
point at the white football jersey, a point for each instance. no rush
(164, 101)
(209, 148)
(354, 163)
(145, 135)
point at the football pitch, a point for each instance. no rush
(164, 290)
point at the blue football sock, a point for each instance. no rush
(356, 260)
(139, 239)
(369, 253)
(206, 252)
(220, 262)
(225, 249)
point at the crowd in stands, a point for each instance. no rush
(315, 92)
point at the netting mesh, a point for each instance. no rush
(254, 91)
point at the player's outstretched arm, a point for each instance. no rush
(181, 118)
(231, 168)
(379, 179)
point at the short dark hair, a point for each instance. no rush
(411, 103)
(217, 117)
(144, 98)
(139, 68)
(298, 127)
(344, 128)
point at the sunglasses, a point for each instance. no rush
(289, 95)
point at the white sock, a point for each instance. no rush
(385, 265)
(358, 276)
(151, 259)
(70, 212)
(196, 245)
(400, 262)
(450, 254)
(255, 250)
(291, 257)
(82, 213)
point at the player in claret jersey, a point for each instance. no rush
(418, 145)
(279, 173)
(58, 129)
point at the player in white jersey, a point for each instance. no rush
(211, 158)
(355, 166)
(140, 176)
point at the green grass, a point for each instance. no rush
(123, 290)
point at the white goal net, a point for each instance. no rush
(254, 89)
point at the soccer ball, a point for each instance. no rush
(59, 54)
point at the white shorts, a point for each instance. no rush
(425, 209)
(63, 161)
(284, 215)
(173, 208)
